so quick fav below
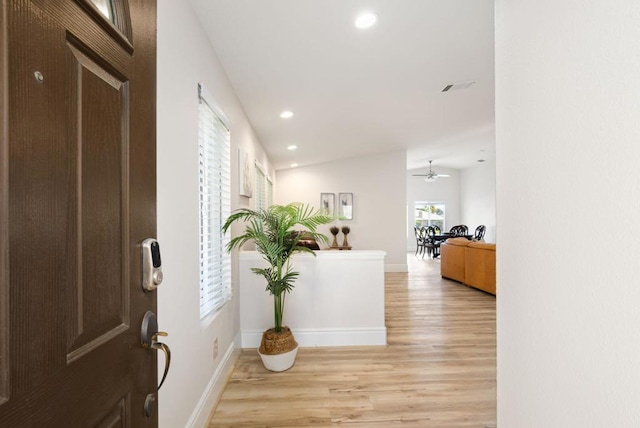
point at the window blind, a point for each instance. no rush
(215, 206)
(269, 192)
(261, 189)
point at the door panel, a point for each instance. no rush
(77, 197)
(100, 135)
(117, 417)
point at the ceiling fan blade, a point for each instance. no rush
(443, 175)
(420, 175)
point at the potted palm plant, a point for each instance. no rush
(273, 231)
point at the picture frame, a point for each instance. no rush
(245, 174)
(327, 203)
(345, 206)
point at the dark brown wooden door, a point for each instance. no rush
(77, 197)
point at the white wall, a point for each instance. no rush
(443, 190)
(184, 60)
(568, 145)
(478, 196)
(320, 310)
(379, 192)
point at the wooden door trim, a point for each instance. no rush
(4, 209)
(121, 34)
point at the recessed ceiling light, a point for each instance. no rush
(293, 165)
(366, 20)
(286, 114)
(292, 147)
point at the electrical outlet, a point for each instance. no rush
(215, 348)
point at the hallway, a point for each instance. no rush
(438, 370)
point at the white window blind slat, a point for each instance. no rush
(215, 206)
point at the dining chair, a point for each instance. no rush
(419, 240)
(459, 230)
(432, 245)
(423, 238)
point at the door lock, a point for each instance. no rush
(149, 338)
(151, 265)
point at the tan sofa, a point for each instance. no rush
(469, 262)
(452, 258)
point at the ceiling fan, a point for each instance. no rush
(431, 176)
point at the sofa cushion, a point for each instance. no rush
(482, 245)
(463, 242)
(480, 266)
(452, 261)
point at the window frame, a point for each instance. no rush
(214, 261)
(428, 221)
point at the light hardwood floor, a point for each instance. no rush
(438, 370)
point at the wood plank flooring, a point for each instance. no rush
(438, 370)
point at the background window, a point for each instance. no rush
(264, 189)
(269, 192)
(215, 207)
(430, 214)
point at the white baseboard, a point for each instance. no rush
(212, 393)
(396, 268)
(325, 337)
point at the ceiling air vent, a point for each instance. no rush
(460, 85)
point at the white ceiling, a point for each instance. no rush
(355, 92)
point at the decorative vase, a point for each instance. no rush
(345, 242)
(334, 231)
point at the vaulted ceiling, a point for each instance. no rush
(355, 92)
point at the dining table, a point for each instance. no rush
(446, 235)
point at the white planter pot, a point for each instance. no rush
(280, 362)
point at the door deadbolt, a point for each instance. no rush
(151, 265)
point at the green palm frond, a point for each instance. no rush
(273, 232)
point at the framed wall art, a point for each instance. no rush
(345, 206)
(327, 203)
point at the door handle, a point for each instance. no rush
(149, 338)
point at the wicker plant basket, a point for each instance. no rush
(274, 343)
